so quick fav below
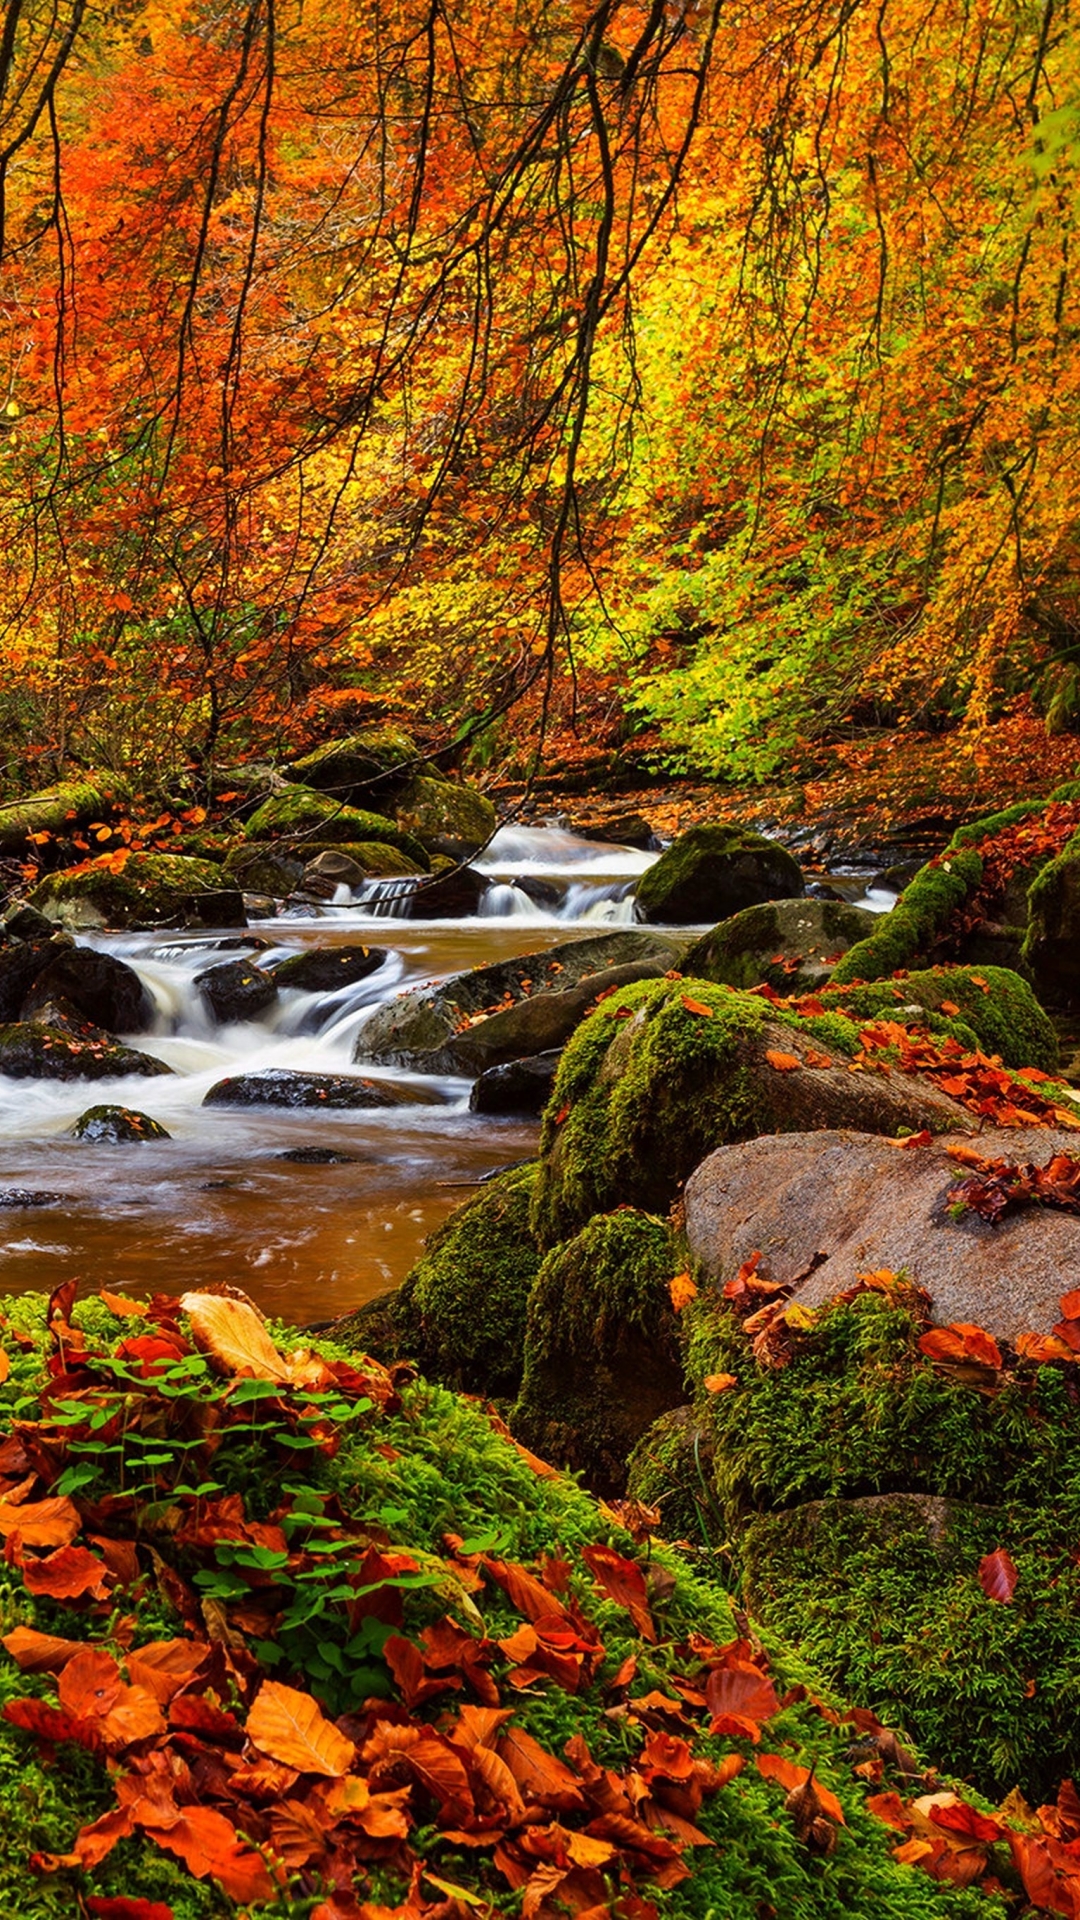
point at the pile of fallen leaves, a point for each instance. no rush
(998, 1187)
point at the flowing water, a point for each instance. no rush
(219, 1201)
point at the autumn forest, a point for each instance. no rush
(725, 351)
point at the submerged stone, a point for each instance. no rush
(118, 1125)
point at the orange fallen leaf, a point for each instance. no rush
(782, 1062)
(719, 1382)
(682, 1291)
(290, 1726)
(697, 1006)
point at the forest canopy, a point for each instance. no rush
(434, 351)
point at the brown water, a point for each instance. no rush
(217, 1201)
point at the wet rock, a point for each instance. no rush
(279, 1087)
(101, 988)
(601, 1358)
(120, 1126)
(16, 1197)
(24, 922)
(236, 990)
(317, 1157)
(321, 969)
(821, 1207)
(372, 764)
(445, 816)
(20, 964)
(615, 827)
(151, 889)
(712, 872)
(324, 821)
(521, 1086)
(543, 893)
(454, 895)
(790, 945)
(331, 870)
(30, 1050)
(527, 1006)
(57, 810)
(666, 1071)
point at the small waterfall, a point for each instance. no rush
(504, 901)
(610, 905)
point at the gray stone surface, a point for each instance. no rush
(823, 1207)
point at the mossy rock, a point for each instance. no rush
(119, 1126)
(32, 1050)
(670, 1472)
(861, 1485)
(58, 810)
(667, 1070)
(264, 868)
(377, 859)
(919, 928)
(460, 1312)
(445, 816)
(712, 872)
(324, 969)
(789, 945)
(602, 1353)
(1052, 943)
(994, 1003)
(372, 764)
(325, 822)
(150, 889)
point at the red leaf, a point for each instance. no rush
(958, 1817)
(961, 1342)
(697, 1006)
(90, 1684)
(997, 1575)
(739, 1697)
(66, 1574)
(625, 1583)
(209, 1846)
(119, 1907)
(773, 1766)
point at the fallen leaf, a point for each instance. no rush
(66, 1574)
(961, 1341)
(682, 1291)
(41, 1523)
(719, 1382)
(625, 1583)
(697, 1006)
(291, 1727)
(782, 1062)
(231, 1333)
(997, 1575)
(774, 1766)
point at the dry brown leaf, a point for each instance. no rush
(290, 1726)
(232, 1335)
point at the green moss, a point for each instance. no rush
(1051, 943)
(645, 1089)
(460, 1313)
(375, 856)
(884, 1595)
(149, 887)
(318, 817)
(446, 817)
(670, 1470)
(58, 810)
(1002, 1014)
(601, 1349)
(789, 945)
(712, 871)
(919, 918)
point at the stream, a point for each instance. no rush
(227, 1198)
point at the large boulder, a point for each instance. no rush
(325, 1092)
(372, 764)
(460, 1313)
(711, 872)
(323, 969)
(789, 945)
(33, 1050)
(21, 961)
(236, 990)
(58, 810)
(993, 1003)
(602, 1357)
(103, 989)
(511, 1009)
(445, 816)
(665, 1071)
(259, 868)
(354, 860)
(820, 1206)
(150, 889)
(321, 821)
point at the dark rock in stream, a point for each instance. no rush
(454, 895)
(317, 1157)
(279, 1087)
(236, 990)
(30, 1050)
(521, 1086)
(515, 1008)
(20, 964)
(118, 1125)
(321, 969)
(101, 988)
(23, 922)
(15, 1197)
